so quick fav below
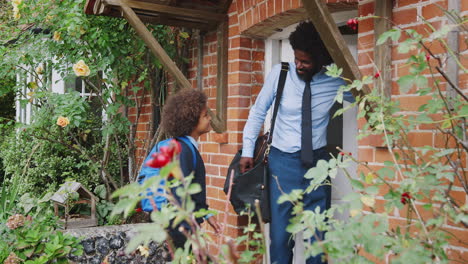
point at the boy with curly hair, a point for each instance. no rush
(185, 114)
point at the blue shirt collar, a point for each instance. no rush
(193, 141)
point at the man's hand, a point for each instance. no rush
(245, 164)
(214, 224)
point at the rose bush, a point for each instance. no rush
(99, 56)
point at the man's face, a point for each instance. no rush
(304, 65)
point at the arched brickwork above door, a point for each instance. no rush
(266, 17)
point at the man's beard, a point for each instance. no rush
(306, 75)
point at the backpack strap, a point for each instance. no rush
(192, 148)
(279, 94)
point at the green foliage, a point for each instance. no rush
(104, 208)
(37, 242)
(31, 233)
(7, 100)
(43, 166)
(94, 148)
(9, 197)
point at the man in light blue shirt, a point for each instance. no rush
(299, 137)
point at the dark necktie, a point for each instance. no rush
(307, 154)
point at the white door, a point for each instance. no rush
(277, 49)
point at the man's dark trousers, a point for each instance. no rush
(290, 172)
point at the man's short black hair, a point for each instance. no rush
(306, 38)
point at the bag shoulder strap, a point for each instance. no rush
(279, 94)
(192, 149)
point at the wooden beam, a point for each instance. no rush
(383, 53)
(151, 18)
(326, 26)
(154, 45)
(132, 18)
(170, 10)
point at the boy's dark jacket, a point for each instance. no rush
(186, 164)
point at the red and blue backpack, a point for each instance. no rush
(148, 172)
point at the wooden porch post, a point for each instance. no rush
(383, 53)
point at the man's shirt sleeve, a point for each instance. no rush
(259, 110)
(349, 97)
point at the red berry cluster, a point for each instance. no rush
(165, 155)
(405, 197)
(352, 23)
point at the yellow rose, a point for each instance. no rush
(81, 69)
(368, 200)
(57, 36)
(63, 121)
(39, 70)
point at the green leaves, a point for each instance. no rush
(393, 34)
(37, 241)
(333, 71)
(408, 81)
(358, 185)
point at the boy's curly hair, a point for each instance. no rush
(182, 111)
(306, 38)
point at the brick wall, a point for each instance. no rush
(406, 15)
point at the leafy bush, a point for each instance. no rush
(36, 241)
(120, 72)
(8, 197)
(46, 154)
(44, 165)
(30, 233)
